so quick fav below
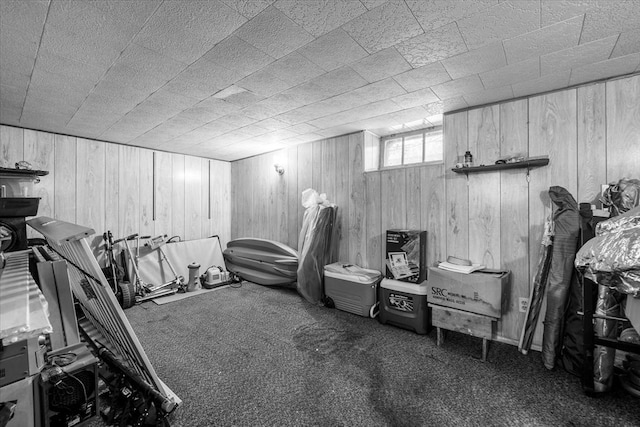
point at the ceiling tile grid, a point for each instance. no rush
(233, 78)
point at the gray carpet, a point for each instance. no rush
(261, 356)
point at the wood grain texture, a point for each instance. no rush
(281, 208)
(177, 196)
(65, 191)
(373, 230)
(592, 150)
(484, 188)
(293, 197)
(393, 199)
(623, 129)
(414, 197)
(356, 233)
(223, 170)
(193, 197)
(514, 218)
(305, 176)
(432, 209)
(236, 169)
(341, 197)
(205, 197)
(317, 171)
(39, 152)
(11, 146)
(129, 179)
(456, 189)
(112, 194)
(163, 193)
(145, 193)
(91, 184)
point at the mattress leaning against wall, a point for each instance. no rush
(95, 297)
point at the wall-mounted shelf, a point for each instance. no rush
(528, 164)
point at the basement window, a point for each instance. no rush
(411, 148)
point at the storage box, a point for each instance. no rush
(352, 288)
(477, 292)
(404, 304)
(409, 245)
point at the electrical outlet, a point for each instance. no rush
(523, 304)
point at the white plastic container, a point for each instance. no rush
(352, 288)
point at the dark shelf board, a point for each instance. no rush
(23, 172)
(519, 165)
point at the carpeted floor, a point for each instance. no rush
(261, 356)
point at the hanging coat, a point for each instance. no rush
(565, 242)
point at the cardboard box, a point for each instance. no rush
(406, 255)
(477, 292)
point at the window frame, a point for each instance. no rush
(403, 135)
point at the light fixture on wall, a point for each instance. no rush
(279, 169)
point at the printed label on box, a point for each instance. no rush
(401, 302)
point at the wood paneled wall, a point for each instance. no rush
(590, 133)
(124, 189)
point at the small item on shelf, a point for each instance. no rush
(468, 159)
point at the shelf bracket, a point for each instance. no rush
(528, 177)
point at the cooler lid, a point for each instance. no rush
(406, 287)
(345, 271)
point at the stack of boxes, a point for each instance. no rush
(403, 291)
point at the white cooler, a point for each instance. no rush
(352, 288)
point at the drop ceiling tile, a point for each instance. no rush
(272, 124)
(432, 46)
(209, 109)
(201, 80)
(453, 104)
(489, 96)
(320, 17)
(562, 35)
(261, 110)
(458, 87)
(299, 115)
(553, 11)
(486, 58)
(25, 17)
(243, 99)
(629, 42)
(333, 50)
(545, 83)
(134, 13)
(13, 94)
(370, 4)
(76, 45)
(9, 78)
(274, 33)
(18, 55)
(385, 63)
(505, 20)
(339, 81)
(303, 128)
(432, 14)
(186, 30)
(254, 129)
(422, 77)
(121, 78)
(304, 94)
(263, 83)
(595, 51)
(237, 119)
(434, 108)
(383, 26)
(114, 89)
(354, 114)
(294, 69)
(414, 99)
(609, 68)
(610, 17)
(150, 63)
(73, 72)
(518, 72)
(235, 54)
(377, 91)
(248, 8)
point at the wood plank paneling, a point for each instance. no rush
(432, 211)
(223, 171)
(293, 197)
(112, 194)
(65, 178)
(484, 188)
(39, 152)
(145, 193)
(317, 171)
(91, 184)
(623, 129)
(414, 197)
(456, 188)
(373, 230)
(163, 193)
(192, 197)
(356, 233)
(11, 146)
(514, 218)
(205, 196)
(592, 169)
(177, 196)
(129, 179)
(341, 196)
(305, 176)
(281, 208)
(393, 213)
